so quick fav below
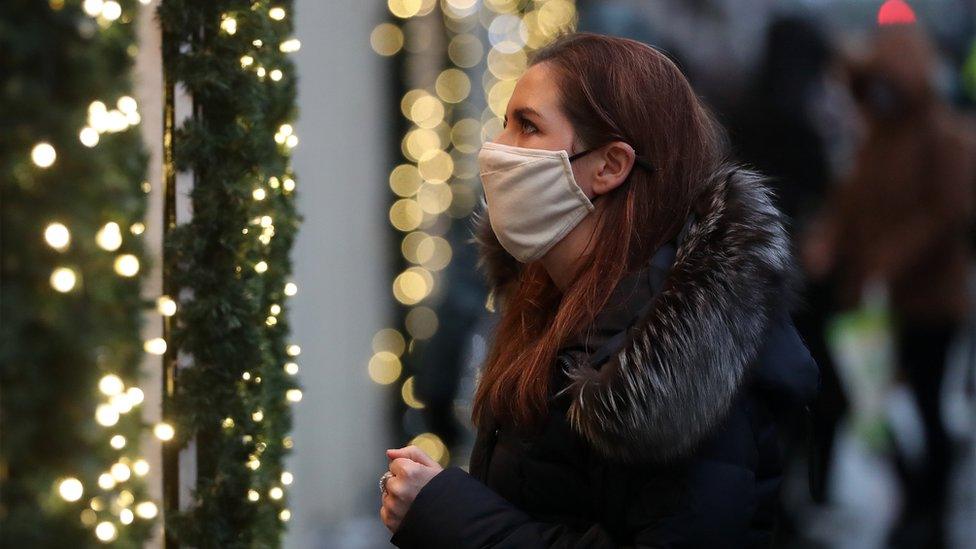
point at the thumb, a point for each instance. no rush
(413, 453)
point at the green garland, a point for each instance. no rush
(230, 265)
(71, 269)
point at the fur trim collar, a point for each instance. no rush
(682, 363)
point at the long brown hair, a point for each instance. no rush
(610, 89)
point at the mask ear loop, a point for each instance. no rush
(580, 154)
(638, 159)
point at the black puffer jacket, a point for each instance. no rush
(663, 428)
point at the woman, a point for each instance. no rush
(643, 351)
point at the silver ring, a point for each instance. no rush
(386, 476)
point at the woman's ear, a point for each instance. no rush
(616, 160)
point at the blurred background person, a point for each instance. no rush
(901, 218)
(794, 124)
(796, 121)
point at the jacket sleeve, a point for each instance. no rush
(455, 510)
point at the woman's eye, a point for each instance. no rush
(524, 125)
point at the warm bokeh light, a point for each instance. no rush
(412, 286)
(106, 531)
(466, 135)
(404, 9)
(228, 24)
(165, 306)
(43, 155)
(146, 509)
(432, 445)
(57, 236)
(465, 50)
(277, 13)
(405, 180)
(427, 111)
(71, 489)
(389, 340)
(164, 431)
(127, 265)
(111, 385)
(140, 467)
(109, 237)
(406, 392)
(63, 279)
(106, 415)
(384, 367)
(435, 199)
(507, 66)
(88, 136)
(499, 94)
(453, 86)
(386, 39)
(436, 166)
(406, 214)
(155, 346)
(120, 472)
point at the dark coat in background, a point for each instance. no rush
(663, 420)
(905, 212)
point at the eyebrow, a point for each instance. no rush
(522, 112)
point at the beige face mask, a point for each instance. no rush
(533, 199)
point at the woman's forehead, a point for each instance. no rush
(536, 90)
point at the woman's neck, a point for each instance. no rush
(563, 260)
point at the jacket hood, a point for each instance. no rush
(672, 354)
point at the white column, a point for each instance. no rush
(342, 267)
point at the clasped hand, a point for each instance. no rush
(412, 469)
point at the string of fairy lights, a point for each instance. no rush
(115, 505)
(486, 41)
(241, 433)
(286, 139)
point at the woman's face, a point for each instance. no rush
(535, 120)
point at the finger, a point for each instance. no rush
(414, 453)
(385, 517)
(390, 496)
(400, 496)
(402, 467)
(390, 512)
(393, 487)
(397, 509)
